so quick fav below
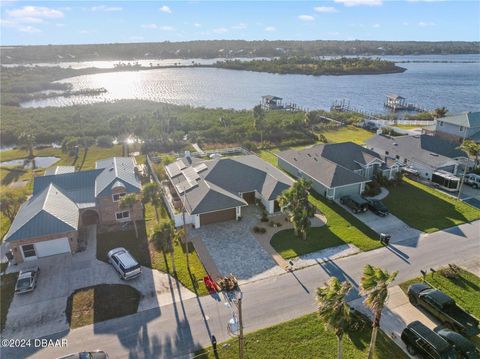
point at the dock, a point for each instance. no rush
(270, 103)
(398, 103)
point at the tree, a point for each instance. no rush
(333, 308)
(294, 203)
(151, 194)
(163, 237)
(10, 202)
(472, 148)
(440, 112)
(128, 202)
(27, 139)
(374, 284)
(258, 117)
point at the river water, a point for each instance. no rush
(454, 84)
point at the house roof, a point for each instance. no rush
(431, 150)
(465, 119)
(49, 212)
(59, 170)
(320, 162)
(116, 169)
(217, 184)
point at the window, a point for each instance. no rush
(386, 152)
(405, 160)
(461, 128)
(397, 157)
(28, 251)
(441, 123)
(117, 196)
(122, 215)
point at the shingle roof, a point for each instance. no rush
(116, 169)
(346, 154)
(323, 170)
(59, 170)
(219, 184)
(431, 150)
(465, 119)
(47, 213)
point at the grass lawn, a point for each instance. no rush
(347, 133)
(428, 209)
(305, 337)
(101, 302)
(289, 246)
(7, 290)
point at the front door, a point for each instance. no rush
(29, 252)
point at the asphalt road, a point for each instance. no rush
(175, 331)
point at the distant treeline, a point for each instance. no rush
(228, 48)
(310, 66)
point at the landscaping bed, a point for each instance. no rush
(7, 291)
(426, 208)
(101, 302)
(305, 337)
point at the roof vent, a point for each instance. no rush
(110, 169)
(315, 159)
(434, 154)
(395, 144)
(294, 158)
(309, 155)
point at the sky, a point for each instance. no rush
(83, 22)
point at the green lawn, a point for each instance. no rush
(347, 133)
(101, 302)
(7, 290)
(305, 337)
(428, 209)
(289, 246)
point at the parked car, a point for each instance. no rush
(124, 263)
(444, 308)
(356, 203)
(27, 280)
(377, 207)
(425, 343)
(472, 179)
(464, 348)
(98, 354)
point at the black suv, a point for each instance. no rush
(377, 207)
(426, 343)
(356, 203)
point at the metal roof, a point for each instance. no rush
(465, 119)
(59, 170)
(116, 169)
(49, 212)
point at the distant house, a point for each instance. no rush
(337, 169)
(64, 201)
(216, 190)
(426, 154)
(457, 128)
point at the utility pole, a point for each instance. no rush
(462, 180)
(185, 238)
(241, 339)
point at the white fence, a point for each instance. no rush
(400, 122)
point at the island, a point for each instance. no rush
(314, 66)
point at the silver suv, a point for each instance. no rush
(124, 263)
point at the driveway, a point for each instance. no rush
(234, 249)
(390, 224)
(43, 311)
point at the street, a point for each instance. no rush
(176, 330)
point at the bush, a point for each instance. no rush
(105, 141)
(372, 189)
(260, 230)
(249, 145)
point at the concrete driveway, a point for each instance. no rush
(42, 311)
(399, 230)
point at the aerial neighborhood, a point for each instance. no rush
(168, 192)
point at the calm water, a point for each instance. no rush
(453, 85)
(40, 162)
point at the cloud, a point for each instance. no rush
(39, 13)
(426, 0)
(405, 23)
(306, 18)
(106, 8)
(376, 26)
(165, 9)
(86, 32)
(220, 30)
(149, 26)
(60, 25)
(197, 25)
(325, 9)
(240, 26)
(426, 23)
(29, 29)
(167, 28)
(359, 2)
(270, 29)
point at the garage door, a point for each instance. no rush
(52, 247)
(218, 216)
(347, 190)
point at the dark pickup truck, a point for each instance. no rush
(444, 308)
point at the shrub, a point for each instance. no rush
(260, 230)
(105, 141)
(249, 145)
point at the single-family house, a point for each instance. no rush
(424, 153)
(336, 169)
(457, 128)
(64, 201)
(216, 190)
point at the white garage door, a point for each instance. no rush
(54, 246)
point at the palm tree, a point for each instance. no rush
(472, 148)
(258, 116)
(164, 236)
(294, 203)
(128, 202)
(151, 194)
(333, 309)
(440, 112)
(374, 284)
(28, 140)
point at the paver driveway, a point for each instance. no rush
(235, 250)
(42, 312)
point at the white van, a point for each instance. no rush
(124, 263)
(473, 180)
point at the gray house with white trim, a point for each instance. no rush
(460, 127)
(336, 169)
